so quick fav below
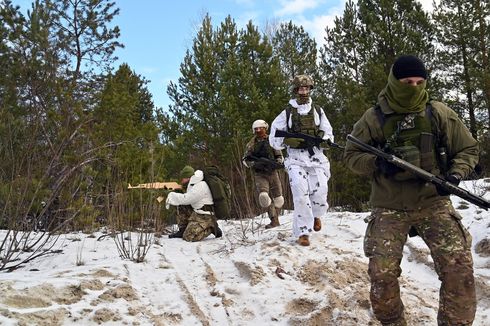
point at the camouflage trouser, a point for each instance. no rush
(183, 213)
(271, 184)
(450, 246)
(199, 227)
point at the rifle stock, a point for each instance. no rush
(422, 174)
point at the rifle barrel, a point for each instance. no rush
(308, 138)
(423, 174)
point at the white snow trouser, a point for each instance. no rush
(309, 186)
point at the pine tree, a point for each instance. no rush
(228, 80)
(296, 51)
(127, 134)
(355, 62)
(458, 34)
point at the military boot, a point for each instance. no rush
(399, 322)
(218, 233)
(317, 224)
(178, 234)
(273, 215)
(304, 240)
(274, 222)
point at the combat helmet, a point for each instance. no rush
(302, 80)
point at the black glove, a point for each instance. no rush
(260, 165)
(387, 168)
(455, 179)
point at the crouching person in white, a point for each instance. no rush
(202, 221)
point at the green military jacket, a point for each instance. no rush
(461, 148)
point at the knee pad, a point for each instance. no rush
(278, 202)
(264, 199)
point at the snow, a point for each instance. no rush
(250, 276)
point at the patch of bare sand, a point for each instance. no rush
(483, 248)
(349, 272)
(301, 306)
(103, 273)
(41, 296)
(94, 285)
(253, 274)
(314, 272)
(163, 319)
(105, 315)
(124, 291)
(99, 273)
(53, 317)
(193, 306)
(210, 276)
(483, 291)
(346, 287)
(337, 274)
(335, 313)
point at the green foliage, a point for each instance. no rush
(75, 134)
(46, 93)
(355, 61)
(228, 80)
(295, 50)
(462, 29)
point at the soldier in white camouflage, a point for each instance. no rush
(308, 168)
(430, 135)
(200, 222)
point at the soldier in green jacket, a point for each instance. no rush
(430, 135)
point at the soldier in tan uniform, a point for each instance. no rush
(264, 162)
(430, 135)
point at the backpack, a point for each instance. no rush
(220, 190)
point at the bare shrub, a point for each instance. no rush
(132, 217)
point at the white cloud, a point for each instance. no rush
(316, 25)
(245, 17)
(295, 7)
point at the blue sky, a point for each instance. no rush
(157, 33)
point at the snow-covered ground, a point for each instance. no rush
(250, 276)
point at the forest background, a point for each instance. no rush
(75, 132)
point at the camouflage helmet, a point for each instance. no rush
(259, 123)
(302, 80)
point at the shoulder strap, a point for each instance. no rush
(288, 114)
(318, 110)
(429, 111)
(380, 115)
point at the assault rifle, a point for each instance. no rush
(311, 141)
(273, 165)
(166, 186)
(422, 174)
